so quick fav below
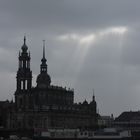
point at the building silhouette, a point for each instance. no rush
(46, 106)
(128, 120)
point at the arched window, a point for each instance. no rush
(21, 84)
(21, 64)
(26, 84)
(28, 64)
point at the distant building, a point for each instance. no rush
(46, 106)
(105, 121)
(128, 121)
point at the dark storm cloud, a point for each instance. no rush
(89, 44)
(68, 14)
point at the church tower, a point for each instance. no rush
(43, 79)
(24, 75)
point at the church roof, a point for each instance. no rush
(128, 116)
(43, 80)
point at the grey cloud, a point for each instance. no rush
(111, 69)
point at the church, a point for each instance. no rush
(46, 106)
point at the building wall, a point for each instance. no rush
(52, 118)
(52, 96)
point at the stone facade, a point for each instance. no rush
(46, 106)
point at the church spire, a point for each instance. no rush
(44, 49)
(93, 97)
(43, 60)
(43, 67)
(24, 46)
(24, 39)
(43, 79)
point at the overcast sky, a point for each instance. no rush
(90, 44)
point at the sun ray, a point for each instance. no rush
(85, 42)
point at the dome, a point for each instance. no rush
(43, 80)
(24, 48)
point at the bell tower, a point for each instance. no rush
(24, 74)
(24, 78)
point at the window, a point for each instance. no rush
(22, 64)
(26, 64)
(26, 84)
(21, 84)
